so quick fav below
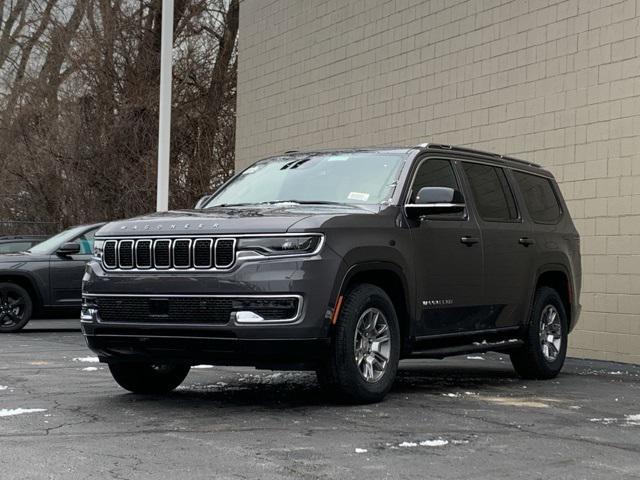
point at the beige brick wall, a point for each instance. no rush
(556, 82)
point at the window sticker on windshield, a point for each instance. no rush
(338, 158)
(363, 197)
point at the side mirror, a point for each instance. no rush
(68, 249)
(435, 201)
(202, 202)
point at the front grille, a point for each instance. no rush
(191, 310)
(168, 254)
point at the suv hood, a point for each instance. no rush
(227, 220)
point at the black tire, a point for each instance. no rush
(530, 361)
(146, 378)
(340, 374)
(16, 307)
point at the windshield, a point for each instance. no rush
(56, 241)
(354, 177)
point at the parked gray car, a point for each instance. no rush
(45, 278)
(342, 262)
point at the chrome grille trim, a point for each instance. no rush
(115, 254)
(173, 251)
(195, 244)
(161, 247)
(233, 252)
(155, 247)
(151, 256)
(122, 243)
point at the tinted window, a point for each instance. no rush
(434, 173)
(539, 197)
(86, 242)
(491, 192)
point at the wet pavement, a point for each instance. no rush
(62, 416)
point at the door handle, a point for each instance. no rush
(469, 241)
(526, 241)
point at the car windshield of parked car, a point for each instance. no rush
(351, 178)
(57, 241)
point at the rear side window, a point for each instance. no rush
(491, 191)
(539, 197)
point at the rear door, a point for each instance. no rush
(507, 243)
(449, 273)
(66, 272)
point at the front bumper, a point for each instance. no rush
(242, 339)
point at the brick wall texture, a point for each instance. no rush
(555, 82)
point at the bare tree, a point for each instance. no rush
(79, 86)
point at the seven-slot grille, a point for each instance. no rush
(166, 254)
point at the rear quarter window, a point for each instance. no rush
(539, 197)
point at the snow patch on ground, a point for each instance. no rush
(86, 359)
(632, 419)
(202, 366)
(9, 412)
(361, 450)
(3, 387)
(475, 358)
(436, 442)
(90, 369)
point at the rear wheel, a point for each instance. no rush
(16, 307)
(545, 348)
(365, 350)
(148, 378)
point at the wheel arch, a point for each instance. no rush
(391, 278)
(27, 282)
(557, 276)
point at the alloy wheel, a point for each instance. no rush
(372, 344)
(550, 333)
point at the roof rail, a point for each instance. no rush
(291, 151)
(496, 156)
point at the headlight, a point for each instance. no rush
(98, 247)
(286, 245)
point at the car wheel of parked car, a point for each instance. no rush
(545, 348)
(365, 348)
(148, 378)
(16, 307)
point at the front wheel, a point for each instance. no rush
(545, 349)
(365, 350)
(16, 307)
(148, 378)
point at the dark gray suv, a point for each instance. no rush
(342, 262)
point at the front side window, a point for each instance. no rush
(86, 242)
(350, 177)
(539, 197)
(433, 173)
(491, 192)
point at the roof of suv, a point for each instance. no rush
(490, 156)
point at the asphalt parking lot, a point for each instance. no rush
(62, 416)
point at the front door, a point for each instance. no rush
(66, 272)
(448, 260)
